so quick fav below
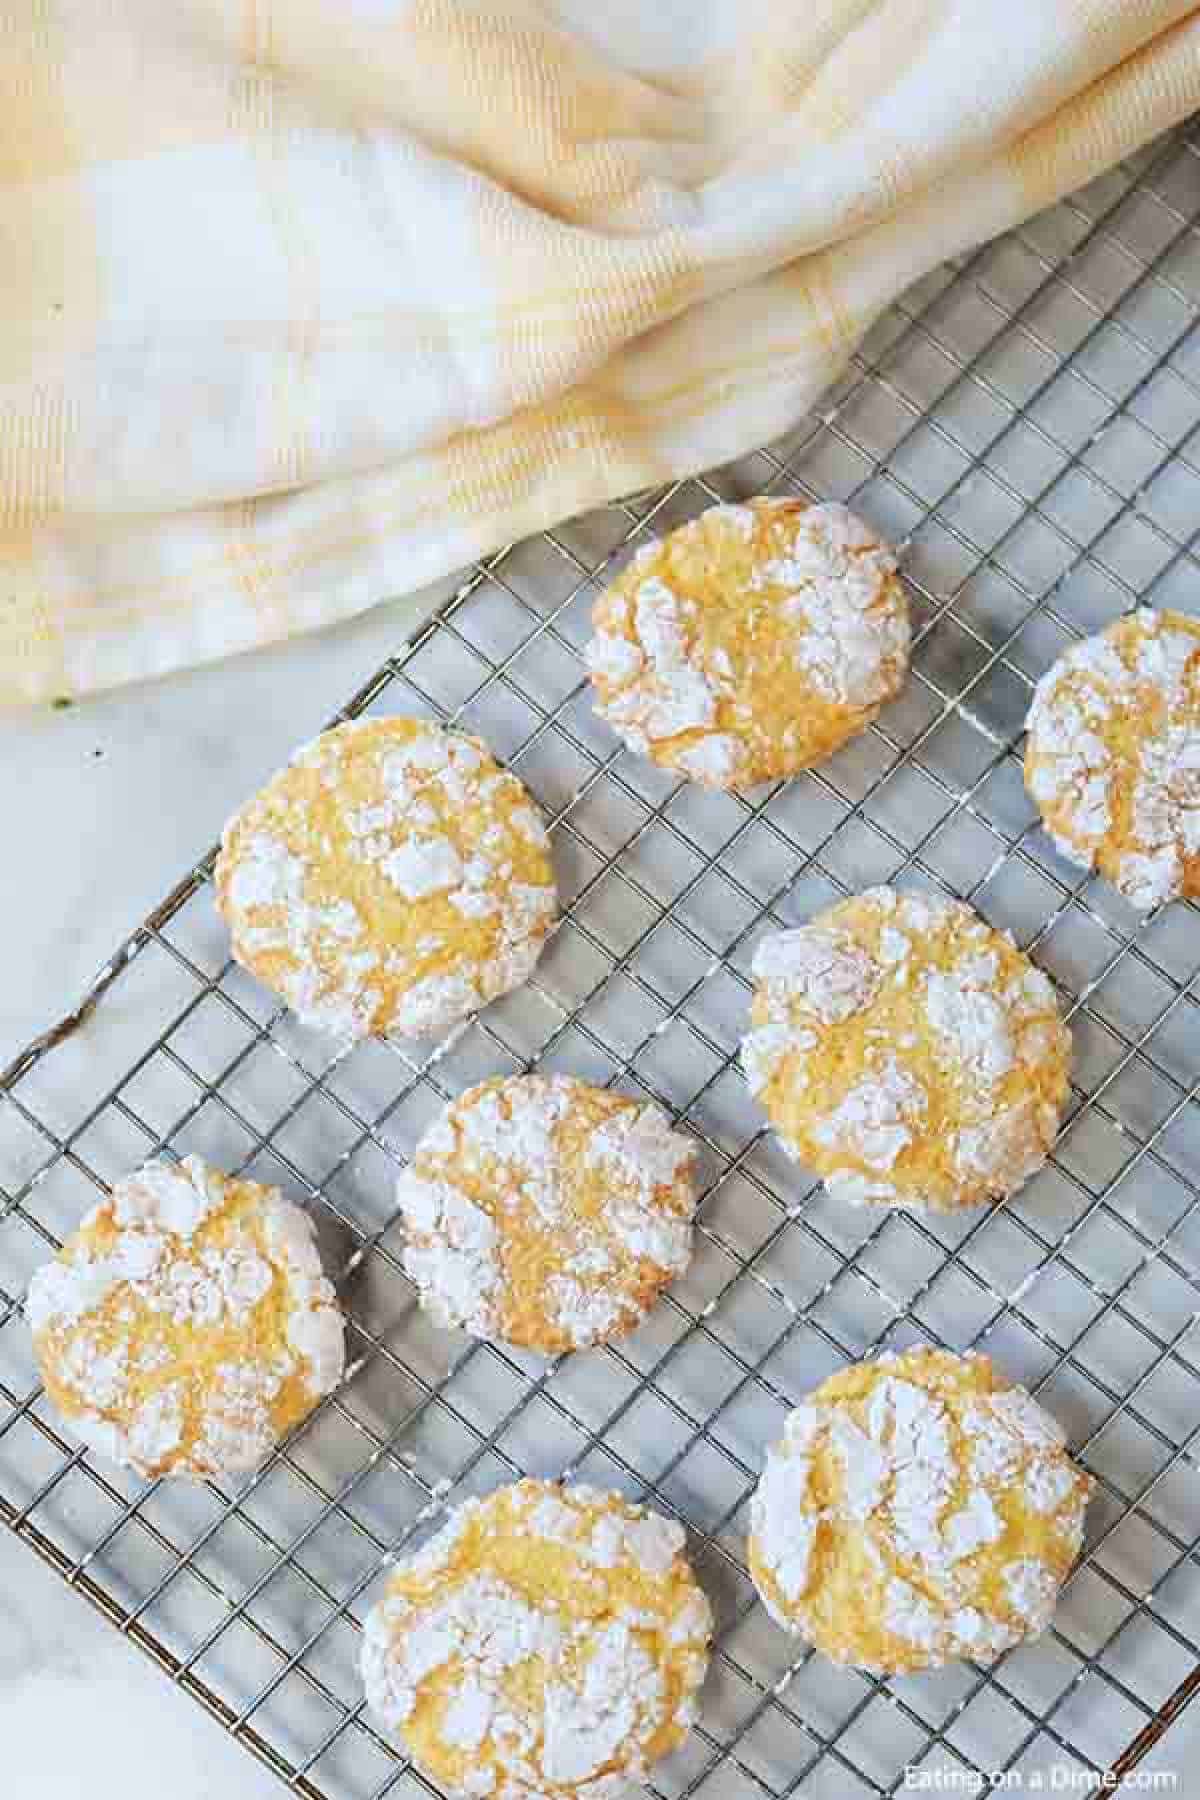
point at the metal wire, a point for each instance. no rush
(1025, 423)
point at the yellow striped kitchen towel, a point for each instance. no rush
(304, 303)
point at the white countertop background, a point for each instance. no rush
(85, 1716)
(115, 797)
(107, 804)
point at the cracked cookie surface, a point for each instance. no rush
(545, 1212)
(186, 1325)
(547, 1644)
(1112, 756)
(907, 1052)
(919, 1509)
(750, 642)
(391, 880)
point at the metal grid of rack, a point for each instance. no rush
(1027, 425)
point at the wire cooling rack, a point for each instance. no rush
(1025, 425)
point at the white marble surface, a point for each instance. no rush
(112, 799)
(84, 1716)
(109, 802)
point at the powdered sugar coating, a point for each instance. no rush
(825, 974)
(1113, 754)
(187, 1324)
(907, 1052)
(391, 880)
(547, 1643)
(544, 1212)
(751, 641)
(918, 1509)
(877, 1119)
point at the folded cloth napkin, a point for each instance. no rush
(304, 303)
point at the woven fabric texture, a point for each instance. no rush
(306, 303)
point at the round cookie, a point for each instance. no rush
(750, 642)
(1112, 757)
(907, 1052)
(186, 1326)
(548, 1643)
(919, 1509)
(544, 1212)
(392, 879)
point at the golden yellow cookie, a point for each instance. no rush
(1112, 758)
(547, 1643)
(750, 642)
(186, 1326)
(544, 1212)
(919, 1509)
(392, 879)
(907, 1052)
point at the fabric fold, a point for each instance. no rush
(303, 306)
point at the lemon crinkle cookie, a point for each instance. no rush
(1112, 757)
(544, 1212)
(919, 1509)
(391, 880)
(751, 642)
(186, 1325)
(907, 1052)
(547, 1643)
